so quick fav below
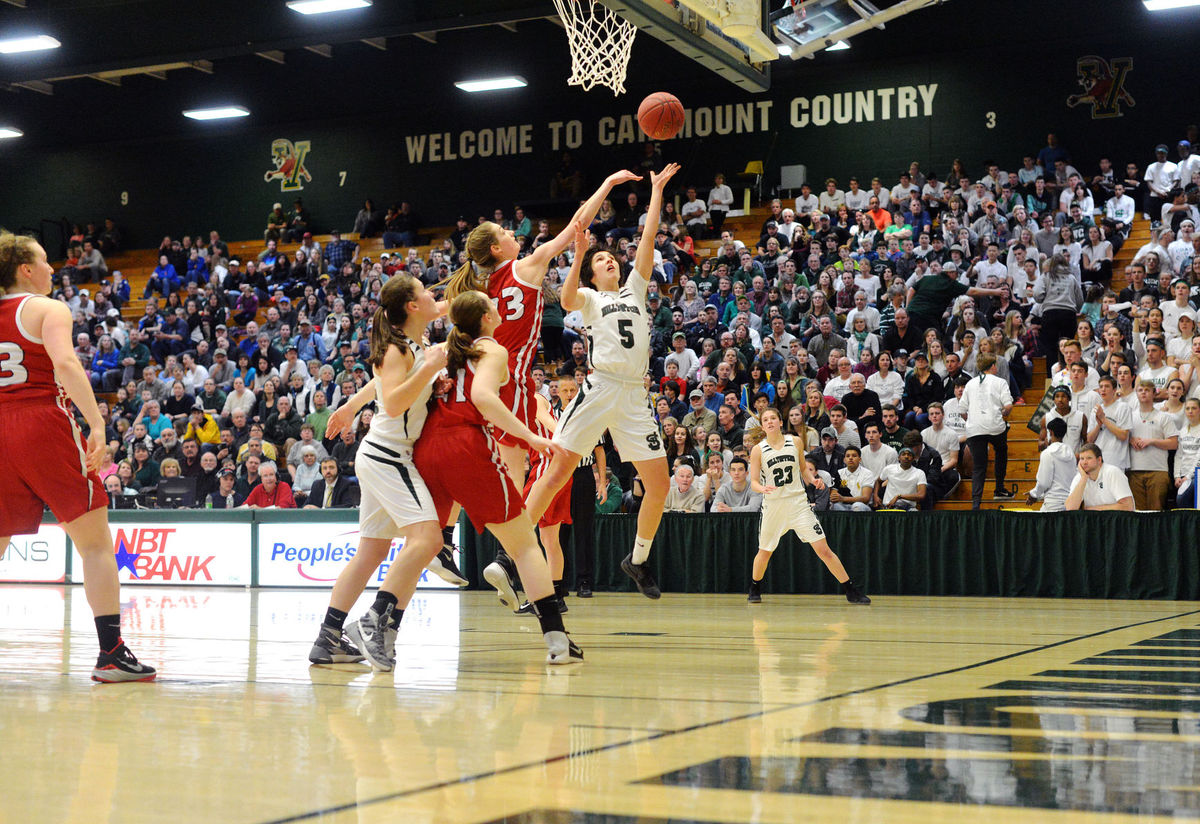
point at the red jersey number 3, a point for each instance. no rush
(12, 372)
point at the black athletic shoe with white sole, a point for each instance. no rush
(640, 573)
(332, 647)
(755, 596)
(443, 566)
(501, 574)
(119, 664)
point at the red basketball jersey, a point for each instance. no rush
(456, 408)
(26, 371)
(520, 306)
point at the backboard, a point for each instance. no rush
(728, 37)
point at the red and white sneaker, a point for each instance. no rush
(119, 664)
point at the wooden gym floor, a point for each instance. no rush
(690, 709)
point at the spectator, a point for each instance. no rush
(1098, 485)
(305, 473)
(986, 404)
(855, 486)
(270, 493)
(1187, 458)
(202, 427)
(345, 451)
(1110, 424)
(226, 496)
(1056, 470)
(1151, 435)
(332, 490)
(901, 485)
(737, 495)
(684, 495)
(164, 279)
(938, 481)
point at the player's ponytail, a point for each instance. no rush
(15, 250)
(387, 326)
(467, 312)
(473, 275)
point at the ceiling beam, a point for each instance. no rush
(274, 56)
(427, 36)
(112, 80)
(157, 75)
(322, 49)
(512, 27)
(18, 3)
(205, 66)
(376, 42)
(39, 86)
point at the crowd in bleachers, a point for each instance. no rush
(861, 313)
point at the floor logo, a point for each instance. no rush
(1103, 85)
(289, 160)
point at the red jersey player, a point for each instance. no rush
(458, 458)
(48, 460)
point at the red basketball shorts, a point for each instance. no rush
(463, 464)
(45, 457)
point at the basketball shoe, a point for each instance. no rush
(443, 566)
(331, 647)
(560, 649)
(376, 637)
(501, 574)
(755, 596)
(855, 595)
(640, 573)
(120, 664)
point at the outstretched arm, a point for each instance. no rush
(643, 264)
(531, 269)
(570, 298)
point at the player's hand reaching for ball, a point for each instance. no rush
(659, 179)
(95, 448)
(620, 176)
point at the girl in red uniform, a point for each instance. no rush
(515, 285)
(459, 459)
(48, 462)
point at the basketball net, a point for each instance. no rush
(600, 44)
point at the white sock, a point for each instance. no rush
(641, 549)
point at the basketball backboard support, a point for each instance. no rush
(693, 28)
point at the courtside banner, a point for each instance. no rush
(313, 554)
(40, 557)
(216, 554)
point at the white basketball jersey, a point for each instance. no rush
(402, 430)
(618, 329)
(781, 468)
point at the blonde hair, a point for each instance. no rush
(15, 251)
(479, 254)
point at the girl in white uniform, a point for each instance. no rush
(778, 472)
(614, 396)
(394, 500)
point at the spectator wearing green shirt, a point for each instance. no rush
(318, 419)
(930, 296)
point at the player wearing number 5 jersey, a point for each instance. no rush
(515, 285)
(614, 397)
(778, 472)
(48, 462)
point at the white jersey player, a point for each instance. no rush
(779, 473)
(613, 396)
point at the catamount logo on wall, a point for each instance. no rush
(289, 160)
(1103, 85)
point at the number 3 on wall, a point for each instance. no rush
(991, 120)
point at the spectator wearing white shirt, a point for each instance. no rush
(687, 360)
(695, 214)
(1187, 458)
(1151, 436)
(986, 404)
(1110, 424)
(807, 202)
(861, 309)
(858, 483)
(1056, 470)
(939, 436)
(831, 198)
(901, 485)
(1118, 216)
(1098, 485)
(720, 198)
(838, 385)
(876, 455)
(1161, 175)
(857, 199)
(1074, 420)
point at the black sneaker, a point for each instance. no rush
(501, 574)
(332, 647)
(585, 589)
(526, 608)
(855, 595)
(560, 595)
(443, 566)
(1005, 492)
(755, 596)
(119, 664)
(640, 573)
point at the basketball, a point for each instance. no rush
(661, 115)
